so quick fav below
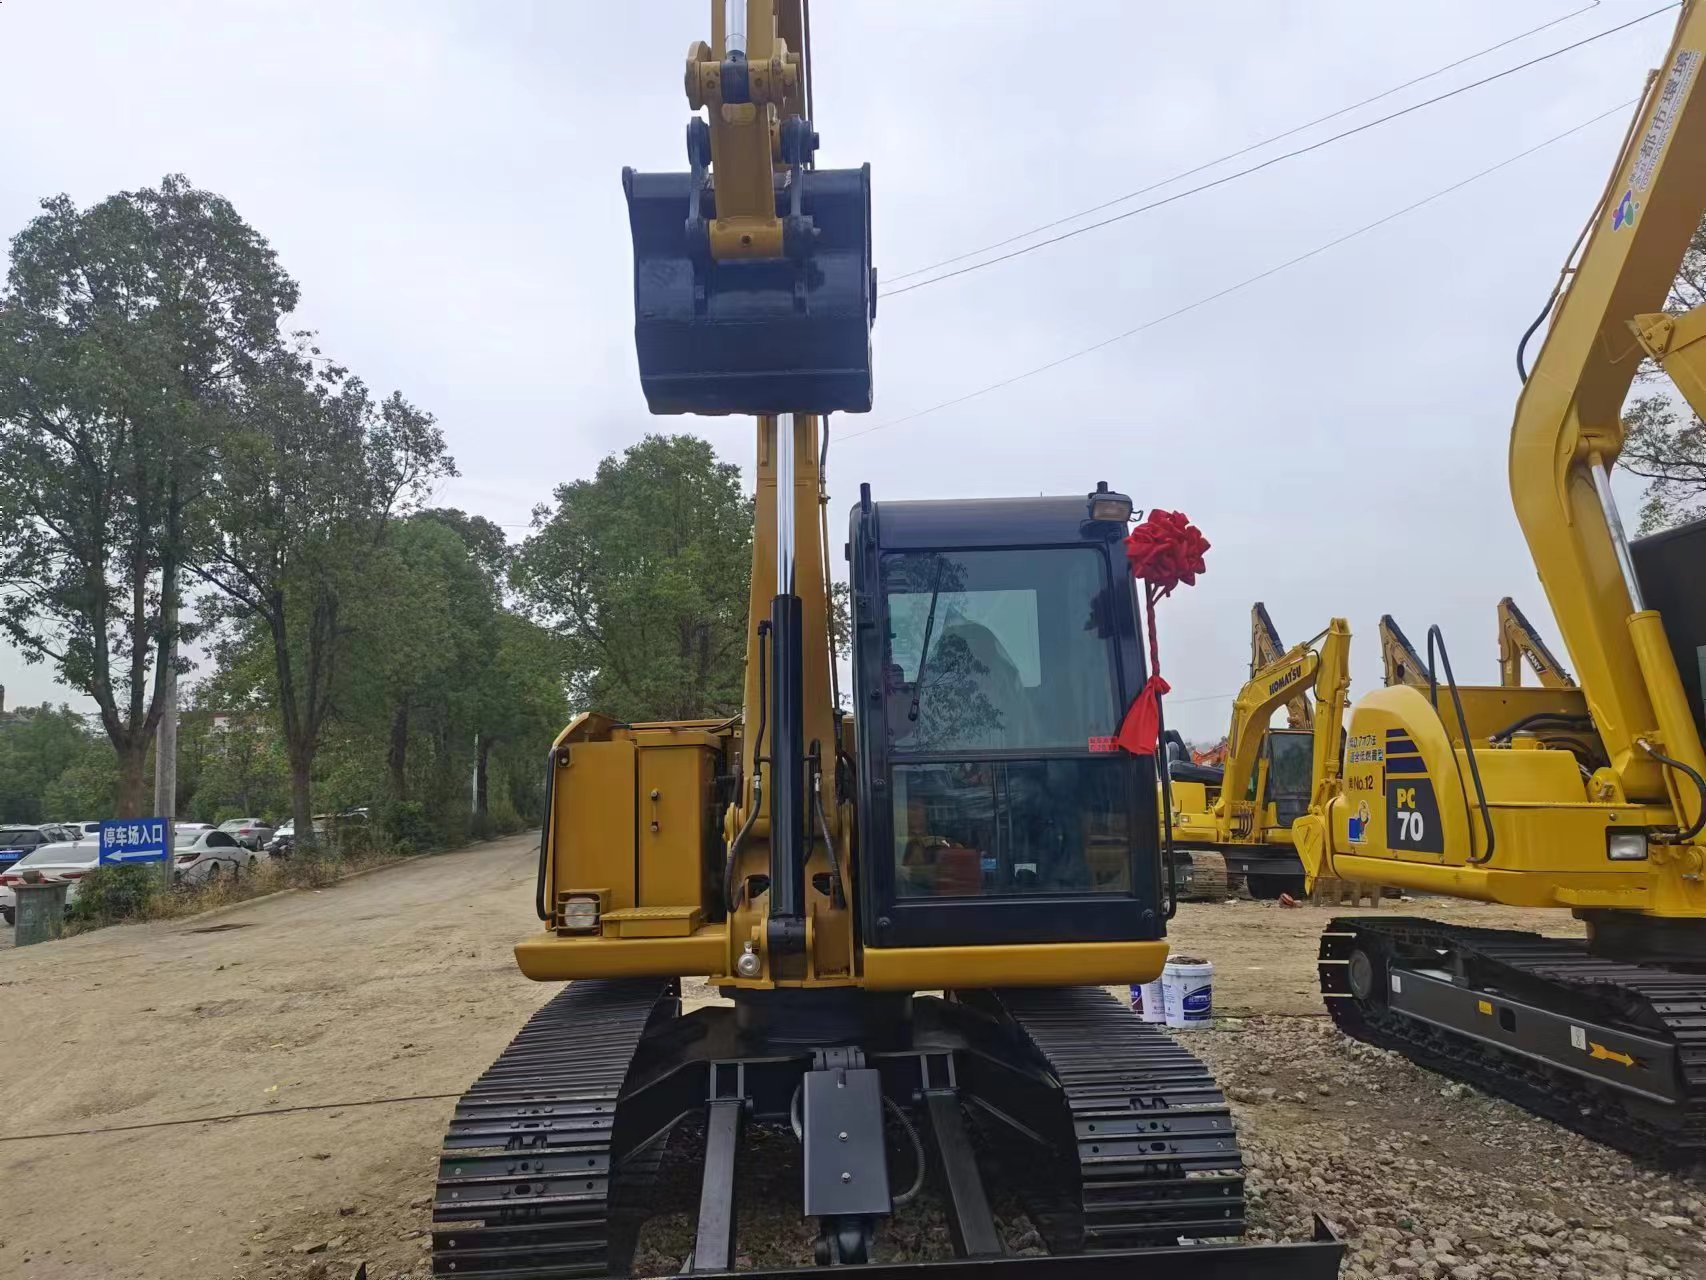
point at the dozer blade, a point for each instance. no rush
(1318, 1259)
(750, 336)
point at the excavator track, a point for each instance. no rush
(1654, 1016)
(526, 1172)
(1157, 1155)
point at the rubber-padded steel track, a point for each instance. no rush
(526, 1169)
(1157, 1155)
(1560, 975)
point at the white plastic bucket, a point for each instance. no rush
(1147, 1002)
(1187, 992)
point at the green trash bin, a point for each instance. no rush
(40, 910)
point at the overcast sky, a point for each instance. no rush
(443, 180)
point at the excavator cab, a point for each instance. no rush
(1668, 567)
(997, 649)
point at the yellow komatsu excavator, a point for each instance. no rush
(1244, 810)
(912, 908)
(1589, 799)
(1519, 645)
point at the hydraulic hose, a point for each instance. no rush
(757, 775)
(1699, 824)
(740, 839)
(836, 894)
(1546, 719)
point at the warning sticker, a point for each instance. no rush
(1578, 1038)
(1665, 111)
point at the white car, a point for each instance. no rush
(251, 833)
(204, 855)
(69, 860)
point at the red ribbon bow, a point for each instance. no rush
(1165, 551)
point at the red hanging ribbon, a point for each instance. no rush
(1166, 550)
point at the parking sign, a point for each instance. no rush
(133, 840)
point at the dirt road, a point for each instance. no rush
(402, 983)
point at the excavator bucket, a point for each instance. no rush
(787, 335)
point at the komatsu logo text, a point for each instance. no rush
(1290, 677)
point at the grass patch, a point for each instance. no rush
(120, 894)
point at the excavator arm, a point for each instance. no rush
(1305, 667)
(1519, 642)
(1399, 657)
(1265, 648)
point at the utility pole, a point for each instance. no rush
(166, 737)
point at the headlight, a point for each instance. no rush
(1108, 506)
(1626, 846)
(579, 914)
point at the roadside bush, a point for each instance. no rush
(407, 822)
(107, 895)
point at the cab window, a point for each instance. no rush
(999, 651)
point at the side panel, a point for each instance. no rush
(1402, 798)
(593, 844)
(674, 799)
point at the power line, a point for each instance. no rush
(1244, 283)
(226, 1116)
(1254, 146)
(1279, 159)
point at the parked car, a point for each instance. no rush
(19, 840)
(283, 841)
(60, 860)
(209, 854)
(91, 830)
(251, 833)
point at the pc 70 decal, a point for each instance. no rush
(1412, 810)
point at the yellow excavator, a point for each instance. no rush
(912, 911)
(1590, 799)
(1244, 810)
(1519, 645)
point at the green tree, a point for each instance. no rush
(36, 748)
(521, 709)
(87, 788)
(125, 330)
(484, 540)
(244, 773)
(1664, 442)
(427, 631)
(643, 571)
(310, 480)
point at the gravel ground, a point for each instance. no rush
(402, 983)
(1429, 1178)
